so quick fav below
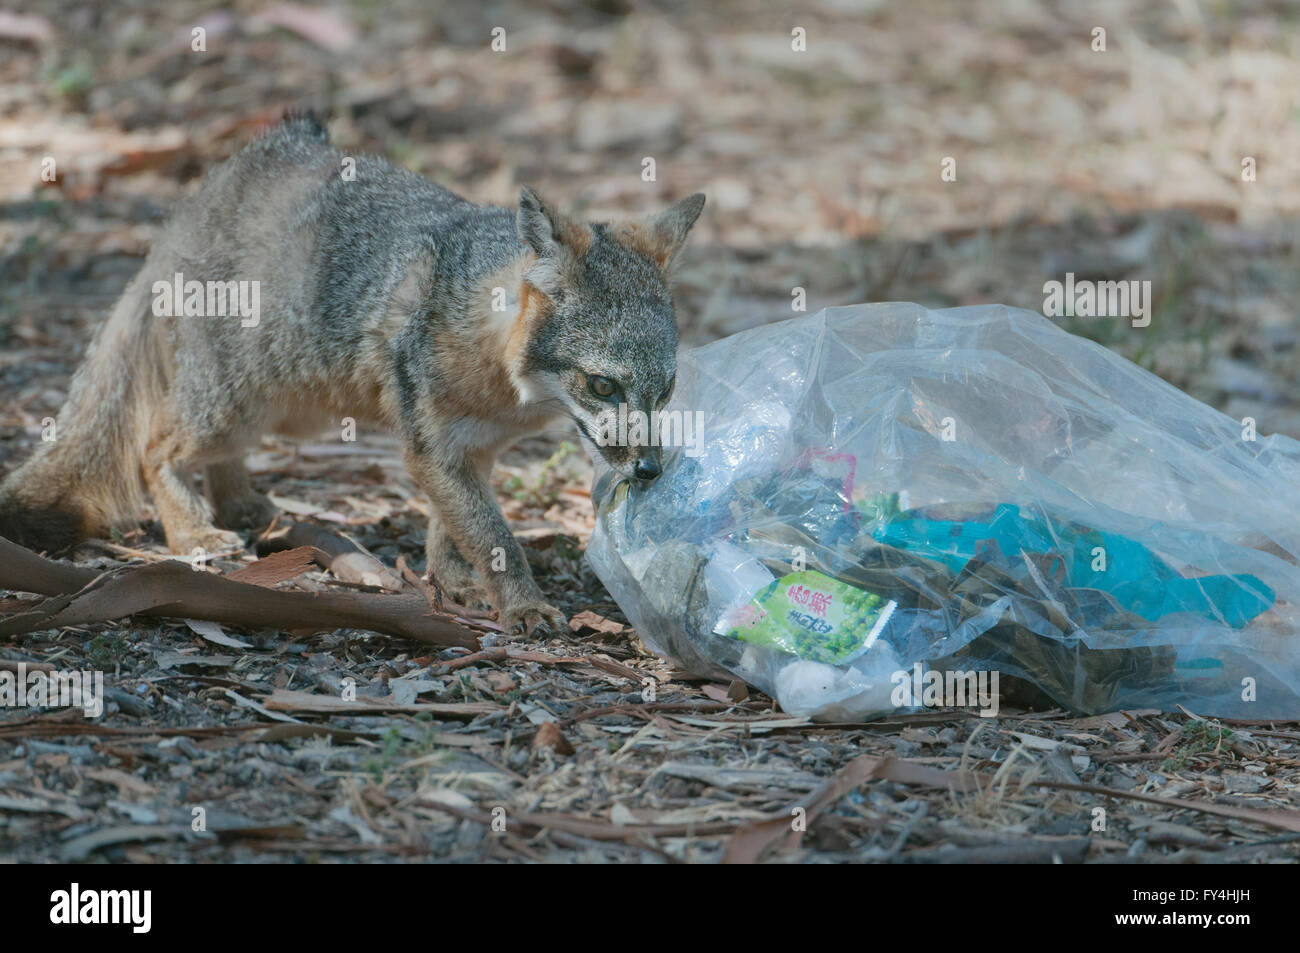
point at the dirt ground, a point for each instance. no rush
(823, 172)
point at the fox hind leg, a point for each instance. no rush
(186, 516)
(237, 504)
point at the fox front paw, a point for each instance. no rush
(468, 594)
(210, 541)
(253, 512)
(533, 618)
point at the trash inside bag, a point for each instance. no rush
(888, 508)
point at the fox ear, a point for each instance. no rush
(674, 222)
(537, 223)
(661, 237)
(558, 242)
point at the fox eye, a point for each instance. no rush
(602, 387)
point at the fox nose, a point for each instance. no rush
(647, 469)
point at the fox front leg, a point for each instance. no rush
(453, 573)
(471, 520)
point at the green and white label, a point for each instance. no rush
(810, 615)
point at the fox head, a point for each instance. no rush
(597, 332)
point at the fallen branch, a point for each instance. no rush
(173, 589)
(23, 571)
(269, 571)
(343, 557)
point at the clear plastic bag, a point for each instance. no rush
(884, 492)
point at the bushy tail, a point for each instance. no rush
(88, 477)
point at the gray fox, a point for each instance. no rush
(376, 295)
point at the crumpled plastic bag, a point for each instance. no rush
(885, 498)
